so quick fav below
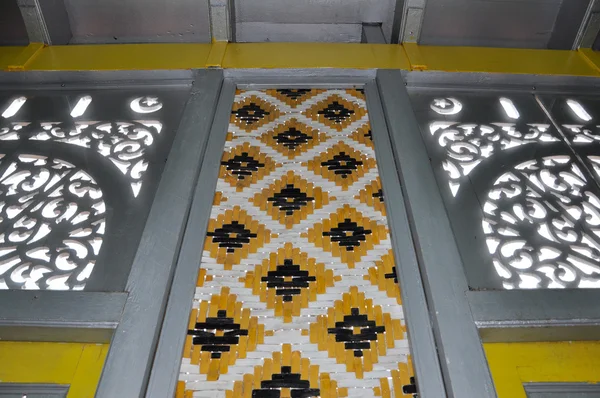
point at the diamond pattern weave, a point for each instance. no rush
(297, 293)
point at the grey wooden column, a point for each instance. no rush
(133, 346)
(463, 360)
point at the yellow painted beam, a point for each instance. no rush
(513, 364)
(498, 60)
(315, 55)
(300, 55)
(121, 57)
(13, 56)
(25, 56)
(591, 57)
(216, 55)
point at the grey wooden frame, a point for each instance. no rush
(34, 390)
(167, 360)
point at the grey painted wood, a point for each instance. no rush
(33, 390)
(536, 315)
(61, 309)
(372, 33)
(420, 331)
(167, 361)
(462, 357)
(562, 390)
(130, 356)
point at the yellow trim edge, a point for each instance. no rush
(513, 364)
(408, 56)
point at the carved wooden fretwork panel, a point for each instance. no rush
(467, 144)
(52, 219)
(73, 169)
(542, 225)
(510, 170)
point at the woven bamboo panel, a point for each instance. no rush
(297, 293)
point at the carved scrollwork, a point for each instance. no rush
(123, 143)
(467, 144)
(542, 226)
(52, 222)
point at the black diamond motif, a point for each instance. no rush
(342, 164)
(250, 113)
(344, 332)
(232, 236)
(286, 379)
(242, 165)
(288, 280)
(369, 135)
(410, 388)
(336, 112)
(378, 195)
(292, 138)
(392, 275)
(290, 199)
(348, 234)
(205, 334)
(295, 93)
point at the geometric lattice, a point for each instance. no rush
(294, 97)
(372, 195)
(220, 331)
(341, 164)
(336, 112)
(385, 277)
(355, 332)
(233, 236)
(347, 234)
(286, 374)
(288, 281)
(252, 113)
(290, 199)
(298, 235)
(363, 135)
(292, 138)
(245, 165)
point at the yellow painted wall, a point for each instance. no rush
(79, 365)
(513, 364)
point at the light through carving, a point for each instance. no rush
(14, 107)
(579, 110)
(467, 144)
(509, 108)
(124, 143)
(446, 106)
(52, 222)
(147, 104)
(81, 106)
(542, 226)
